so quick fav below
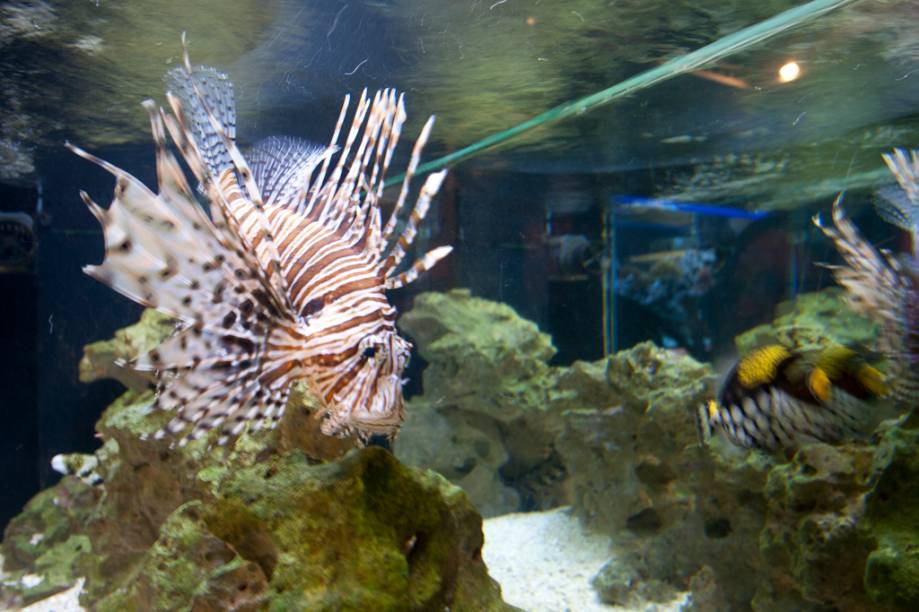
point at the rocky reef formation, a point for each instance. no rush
(259, 524)
(828, 527)
(824, 527)
(811, 321)
(485, 419)
(104, 359)
(246, 531)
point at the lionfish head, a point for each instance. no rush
(367, 397)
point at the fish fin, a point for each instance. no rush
(409, 174)
(904, 165)
(217, 89)
(705, 415)
(425, 263)
(420, 210)
(347, 199)
(231, 388)
(234, 189)
(879, 288)
(282, 165)
(230, 363)
(894, 207)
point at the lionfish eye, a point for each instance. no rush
(370, 352)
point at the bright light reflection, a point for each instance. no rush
(789, 72)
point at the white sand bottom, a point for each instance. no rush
(544, 562)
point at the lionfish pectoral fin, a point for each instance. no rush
(230, 363)
(878, 287)
(223, 366)
(230, 392)
(904, 165)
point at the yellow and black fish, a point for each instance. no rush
(775, 397)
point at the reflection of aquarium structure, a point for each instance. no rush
(18, 235)
(17, 242)
(676, 263)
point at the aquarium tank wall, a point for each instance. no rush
(459, 305)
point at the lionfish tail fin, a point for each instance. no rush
(893, 206)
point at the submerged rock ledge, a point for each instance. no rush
(247, 528)
(264, 524)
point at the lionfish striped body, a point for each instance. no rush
(285, 279)
(884, 286)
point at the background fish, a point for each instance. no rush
(884, 286)
(775, 397)
(284, 280)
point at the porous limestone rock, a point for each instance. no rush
(823, 527)
(891, 516)
(480, 353)
(811, 321)
(244, 530)
(619, 454)
(485, 407)
(258, 523)
(365, 532)
(101, 359)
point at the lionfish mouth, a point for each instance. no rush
(282, 277)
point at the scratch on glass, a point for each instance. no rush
(364, 61)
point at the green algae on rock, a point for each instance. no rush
(43, 550)
(892, 516)
(282, 533)
(100, 359)
(486, 407)
(811, 321)
(362, 533)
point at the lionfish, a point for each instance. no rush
(284, 279)
(884, 286)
